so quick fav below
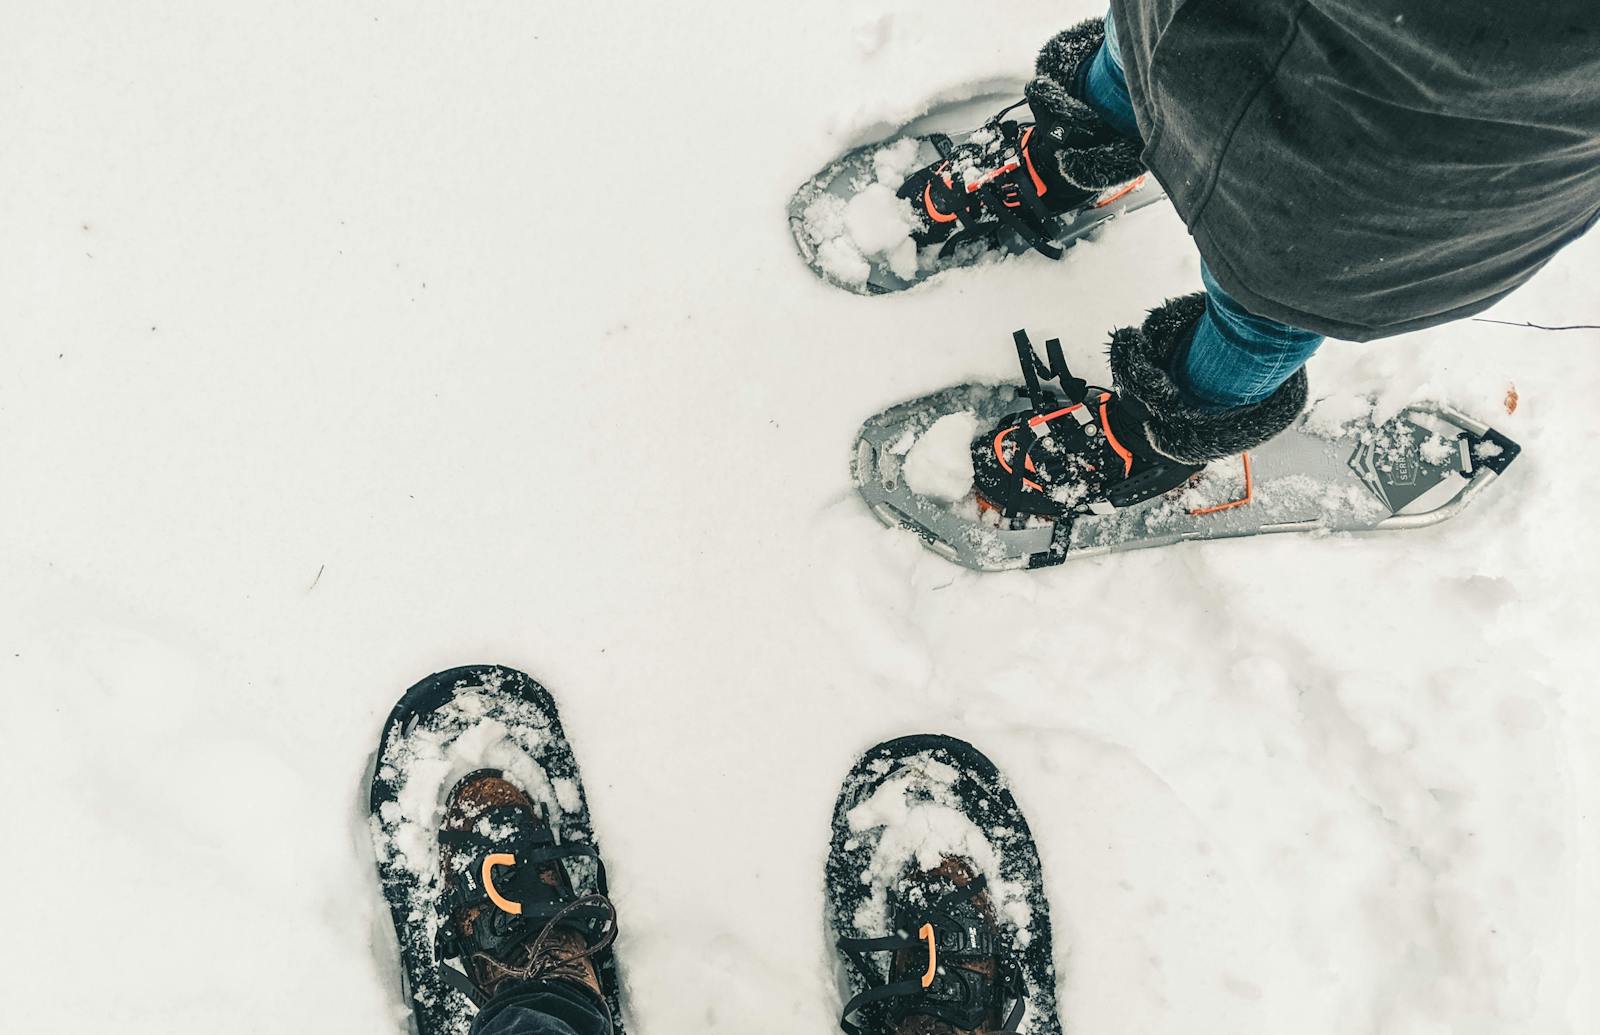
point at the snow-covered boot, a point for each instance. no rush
(1095, 450)
(936, 897)
(1078, 450)
(510, 913)
(970, 992)
(1088, 153)
(1015, 175)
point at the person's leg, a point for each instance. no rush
(1104, 86)
(1236, 358)
(543, 1008)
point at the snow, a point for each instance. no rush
(940, 464)
(347, 343)
(1333, 415)
(919, 815)
(459, 739)
(1438, 450)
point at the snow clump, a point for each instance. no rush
(873, 225)
(939, 466)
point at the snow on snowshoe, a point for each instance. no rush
(941, 195)
(484, 848)
(1001, 477)
(936, 897)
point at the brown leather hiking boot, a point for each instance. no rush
(511, 913)
(926, 886)
(952, 972)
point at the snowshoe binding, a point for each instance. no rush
(485, 852)
(990, 185)
(889, 215)
(511, 914)
(945, 933)
(1079, 451)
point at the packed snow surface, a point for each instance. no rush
(345, 343)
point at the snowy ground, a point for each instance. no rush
(347, 342)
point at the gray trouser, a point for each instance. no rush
(543, 1008)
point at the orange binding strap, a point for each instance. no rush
(934, 213)
(1248, 497)
(1038, 184)
(1034, 422)
(926, 934)
(1129, 189)
(1111, 439)
(999, 440)
(489, 863)
(975, 185)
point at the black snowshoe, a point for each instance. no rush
(953, 943)
(508, 887)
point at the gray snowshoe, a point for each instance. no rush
(1418, 468)
(941, 195)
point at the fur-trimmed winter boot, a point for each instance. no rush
(1096, 450)
(1017, 176)
(1088, 153)
(1143, 361)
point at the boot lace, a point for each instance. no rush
(552, 958)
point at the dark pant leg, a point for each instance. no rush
(543, 1008)
(1235, 358)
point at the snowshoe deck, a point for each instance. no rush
(444, 727)
(1422, 467)
(830, 236)
(946, 773)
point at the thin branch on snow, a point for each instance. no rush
(1540, 326)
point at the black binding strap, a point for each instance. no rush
(1076, 389)
(1036, 236)
(1040, 216)
(1031, 220)
(940, 916)
(460, 982)
(1030, 367)
(535, 849)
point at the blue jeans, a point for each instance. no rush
(543, 1008)
(1235, 357)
